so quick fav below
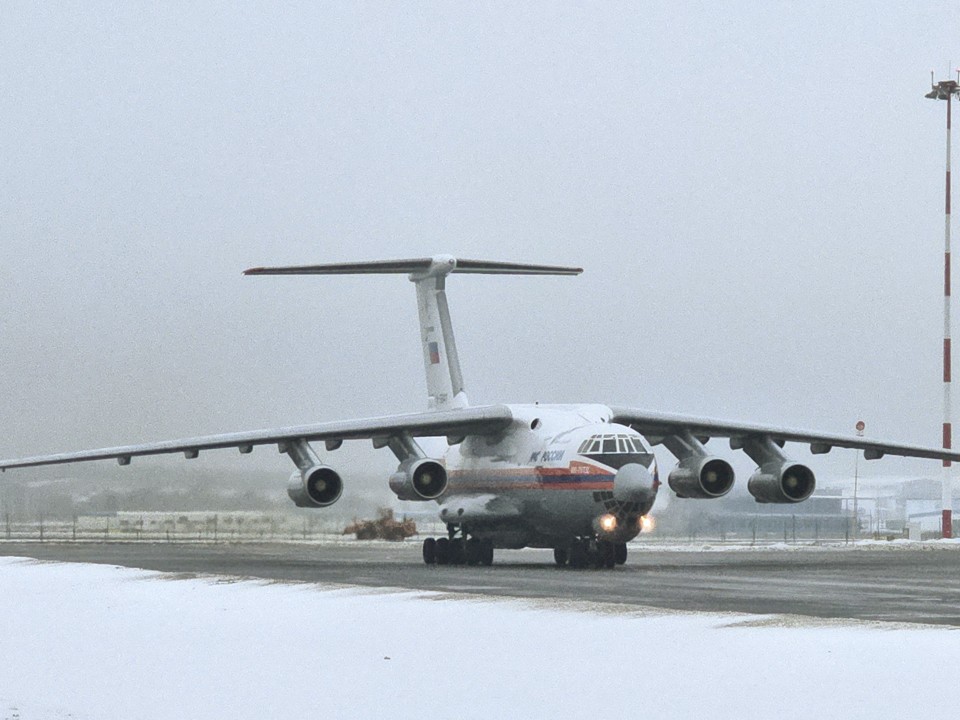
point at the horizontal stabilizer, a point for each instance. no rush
(419, 265)
(445, 387)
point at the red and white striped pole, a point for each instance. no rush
(945, 90)
(946, 493)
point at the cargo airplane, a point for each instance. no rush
(579, 479)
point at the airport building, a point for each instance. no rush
(888, 508)
(899, 505)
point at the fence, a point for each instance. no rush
(262, 527)
(212, 527)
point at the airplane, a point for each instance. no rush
(580, 479)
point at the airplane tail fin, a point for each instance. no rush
(441, 362)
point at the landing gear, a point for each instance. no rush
(429, 551)
(458, 552)
(620, 553)
(486, 552)
(473, 551)
(606, 555)
(443, 551)
(461, 550)
(588, 552)
(579, 555)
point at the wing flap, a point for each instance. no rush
(657, 425)
(481, 420)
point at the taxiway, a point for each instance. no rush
(918, 584)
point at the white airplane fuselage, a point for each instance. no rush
(559, 471)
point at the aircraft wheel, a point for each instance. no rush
(621, 553)
(595, 556)
(430, 551)
(473, 551)
(486, 553)
(442, 550)
(458, 552)
(608, 553)
(560, 556)
(578, 555)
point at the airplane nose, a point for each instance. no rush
(634, 483)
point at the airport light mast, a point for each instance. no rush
(945, 90)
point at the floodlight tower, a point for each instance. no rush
(945, 90)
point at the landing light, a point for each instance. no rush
(647, 523)
(608, 523)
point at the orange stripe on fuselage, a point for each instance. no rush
(577, 476)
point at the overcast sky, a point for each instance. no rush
(755, 191)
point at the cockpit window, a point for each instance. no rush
(612, 444)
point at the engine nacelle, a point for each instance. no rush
(419, 479)
(316, 486)
(701, 476)
(782, 482)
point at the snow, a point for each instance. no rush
(667, 545)
(93, 641)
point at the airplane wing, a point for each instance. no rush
(655, 426)
(453, 423)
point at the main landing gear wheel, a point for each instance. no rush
(486, 553)
(430, 551)
(443, 551)
(560, 556)
(457, 551)
(473, 551)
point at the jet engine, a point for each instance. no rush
(419, 479)
(315, 486)
(701, 476)
(782, 482)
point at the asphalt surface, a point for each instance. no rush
(915, 585)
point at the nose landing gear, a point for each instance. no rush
(589, 552)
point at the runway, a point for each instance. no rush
(917, 584)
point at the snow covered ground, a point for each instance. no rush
(667, 545)
(92, 641)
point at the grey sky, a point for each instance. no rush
(754, 191)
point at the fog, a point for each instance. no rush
(754, 191)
